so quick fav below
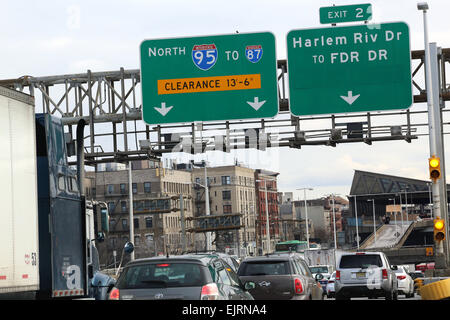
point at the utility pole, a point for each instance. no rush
(208, 212)
(131, 224)
(374, 224)
(356, 222)
(183, 229)
(435, 135)
(334, 221)
(306, 213)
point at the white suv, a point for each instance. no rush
(365, 274)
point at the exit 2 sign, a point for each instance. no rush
(335, 14)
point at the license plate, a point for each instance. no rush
(360, 274)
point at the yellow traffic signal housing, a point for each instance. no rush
(434, 164)
(439, 229)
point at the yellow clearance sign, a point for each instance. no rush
(206, 84)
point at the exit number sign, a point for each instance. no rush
(336, 14)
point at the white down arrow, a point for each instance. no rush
(163, 110)
(350, 98)
(256, 104)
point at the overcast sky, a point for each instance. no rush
(42, 38)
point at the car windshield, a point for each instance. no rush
(263, 268)
(322, 269)
(399, 270)
(161, 275)
(360, 261)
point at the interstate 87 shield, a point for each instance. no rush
(209, 78)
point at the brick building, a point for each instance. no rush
(267, 179)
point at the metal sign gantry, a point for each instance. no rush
(110, 103)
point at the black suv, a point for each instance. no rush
(280, 276)
(190, 277)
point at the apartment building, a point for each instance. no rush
(156, 194)
(231, 191)
(266, 187)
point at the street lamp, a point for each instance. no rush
(356, 217)
(406, 204)
(395, 215)
(131, 213)
(374, 225)
(306, 213)
(401, 210)
(207, 209)
(267, 217)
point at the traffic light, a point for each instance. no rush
(439, 229)
(434, 164)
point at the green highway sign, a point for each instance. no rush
(336, 14)
(349, 69)
(209, 78)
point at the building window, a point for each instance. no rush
(147, 187)
(227, 208)
(137, 240)
(111, 207)
(110, 188)
(124, 224)
(226, 195)
(134, 187)
(149, 222)
(226, 180)
(136, 223)
(123, 188)
(94, 192)
(123, 205)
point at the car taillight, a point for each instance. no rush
(114, 294)
(298, 286)
(401, 277)
(338, 275)
(210, 292)
(330, 281)
(384, 273)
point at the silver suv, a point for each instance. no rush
(365, 274)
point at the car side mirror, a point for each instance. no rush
(394, 267)
(249, 285)
(318, 277)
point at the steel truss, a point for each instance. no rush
(110, 103)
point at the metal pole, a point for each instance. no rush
(434, 124)
(334, 221)
(183, 229)
(267, 219)
(208, 212)
(374, 225)
(306, 216)
(438, 187)
(130, 184)
(395, 217)
(406, 207)
(356, 216)
(401, 209)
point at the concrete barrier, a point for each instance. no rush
(436, 289)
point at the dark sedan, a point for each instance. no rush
(281, 276)
(187, 277)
